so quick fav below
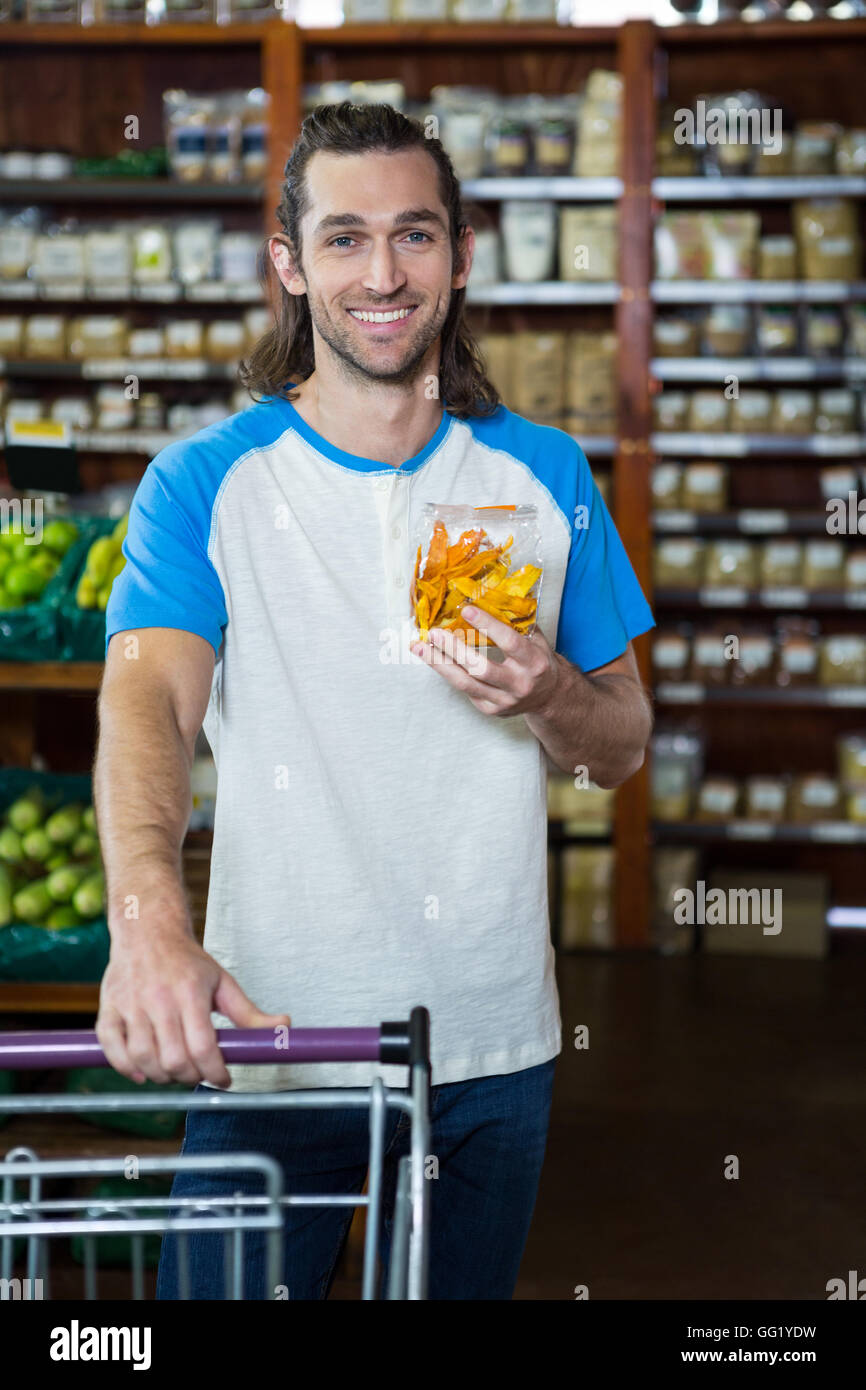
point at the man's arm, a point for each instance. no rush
(600, 720)
(160, 986)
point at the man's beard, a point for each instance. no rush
(343, 345)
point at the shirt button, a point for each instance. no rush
(398, 582)
(396, 532)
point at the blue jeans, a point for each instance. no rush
(488, 1134)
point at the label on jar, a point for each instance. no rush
(670, 652)
(762, 522)
(798, 658)
(819, 793)
(718, 799)
(710, 651)
(767, 795)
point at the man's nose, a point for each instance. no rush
(382, 273)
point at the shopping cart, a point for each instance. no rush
(31, 1220)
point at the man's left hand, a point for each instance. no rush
(522, 683)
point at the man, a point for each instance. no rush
(380, 835)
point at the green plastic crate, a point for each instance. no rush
(81, 631)
(31, 633)
(42, 955)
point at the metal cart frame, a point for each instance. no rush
(30, 1216)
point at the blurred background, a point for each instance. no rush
(668, 206)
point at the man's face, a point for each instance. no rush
(376, 260)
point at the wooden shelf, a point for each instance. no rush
(493, 35)
(48, 999)
(82, 676)
(127, 35)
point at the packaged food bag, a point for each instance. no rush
(486, 556)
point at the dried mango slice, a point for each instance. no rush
(521, 581)
(438, 552)
(466, 546)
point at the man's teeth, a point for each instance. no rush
(387, 317)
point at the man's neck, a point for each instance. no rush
(386, 422)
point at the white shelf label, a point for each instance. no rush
(762, 522)
(681, 692)
(750, 830)
(837, 832)
(161, 294)
(17, 289)
(837, 444)
(784, 598)
(847, 695)
(675, 521)
(724, 598)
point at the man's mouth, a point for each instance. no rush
(383, 315)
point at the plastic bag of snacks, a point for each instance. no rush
(486, 556)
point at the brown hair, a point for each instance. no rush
(285, 353)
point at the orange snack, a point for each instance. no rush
(471, 570)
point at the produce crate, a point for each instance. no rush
(100, 1081)
(31, 633)
(81, 631)
(42, 955)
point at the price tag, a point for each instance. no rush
(18, 289)
(35, 433)
(191, 369)
(729, 444)
(105, 368)
(750, 830)
(724, 598)
(164, 293)
(762, 522)
(681, 692)
(110, 289)
(793, 369)
(62, 289)
(675, 521)
(208, 292)
(846, 695)
(836, 832)
(837, 444)
(784, 598)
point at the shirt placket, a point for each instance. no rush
(392, 496)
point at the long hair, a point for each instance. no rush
(285, 353)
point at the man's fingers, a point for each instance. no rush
(202, 1046)
(111, 1036)
(230, 1000)
(174, 1059)
(142, 1049)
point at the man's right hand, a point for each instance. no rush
(155, 1003)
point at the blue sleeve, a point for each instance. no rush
(168, 579)
(603, 606)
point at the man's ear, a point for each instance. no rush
(465, 250)
(286, 265)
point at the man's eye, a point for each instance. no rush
(341, 239)
(423, 235)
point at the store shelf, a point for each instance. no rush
(757, 190)
(775, 599)
(127, 190)
(207, 292)
(489, 35)
(757, 291)
(818, 833)
(114, 368)
(747, 522)
(51, 675)
(559, 189)
(18, 997)
(545, 292)
(715, 369)
(768, 697)
(728, 445)
(136, 35)
(596, 446)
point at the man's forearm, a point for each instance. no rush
(143, 803)
(601, 723)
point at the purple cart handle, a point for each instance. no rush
(401, 1044)
(27, 1051)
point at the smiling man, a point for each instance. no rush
(380, 835)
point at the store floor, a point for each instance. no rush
(692, 1061)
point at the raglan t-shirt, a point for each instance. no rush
(378, 841)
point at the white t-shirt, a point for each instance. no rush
(378, 842)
